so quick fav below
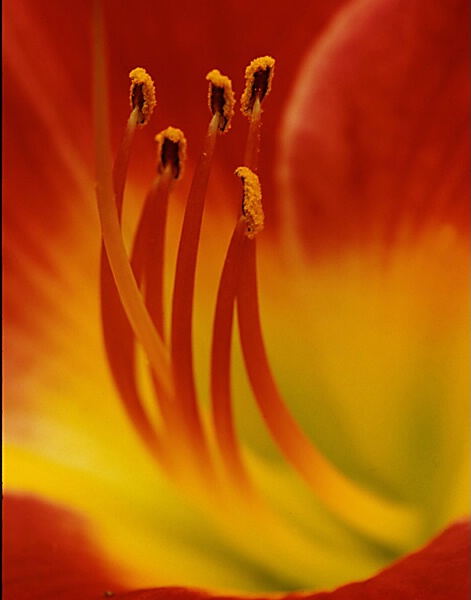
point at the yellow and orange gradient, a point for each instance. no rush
(286, 414)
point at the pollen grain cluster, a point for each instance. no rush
(251, 202)
(171, 151)
(142, 94)
(258, 81)
(221, 98)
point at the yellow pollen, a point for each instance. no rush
(252, 201)
(142, 94)
(171, 150)
(221, 98)
(258, 79)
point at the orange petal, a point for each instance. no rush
(440, 570)
(376, 137)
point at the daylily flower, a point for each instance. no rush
(295, 419)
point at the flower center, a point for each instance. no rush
(133, 307)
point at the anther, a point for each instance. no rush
(171, 151)
(252, 201)
(258, 79)
(221, 99)
(142, 95)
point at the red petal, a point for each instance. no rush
(48, 554)
(377, 133)
(440, 570)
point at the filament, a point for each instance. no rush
(117, 332)
(182, 305)
(147, 257)
(221, 399)
(147, 261)
(221, 104)
(258, 82)
(112, 311)
(358, 507)
(252, 149)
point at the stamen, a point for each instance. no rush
(148, 252)
(258, 80)
(183, 293)
(252, 202)
(112, 311)
(149, 243)
(221, 98)
(119, 262)
(142, 95)
(117, 332)
(171, 151)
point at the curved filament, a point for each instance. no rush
(359, 507)
(223, 421)
(182, 305)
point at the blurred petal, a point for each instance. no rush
(374, 167)
(49, 553)
(440, 570)
(376, 138)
